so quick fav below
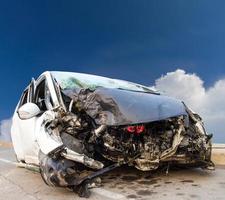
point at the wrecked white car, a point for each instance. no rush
(76, 127)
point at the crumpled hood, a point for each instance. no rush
(121, 107)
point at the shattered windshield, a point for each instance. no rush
(70, 80)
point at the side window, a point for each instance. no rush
(43, 97)
(24, 98)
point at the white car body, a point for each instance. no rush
(27, 135)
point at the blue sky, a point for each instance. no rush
(127, 39)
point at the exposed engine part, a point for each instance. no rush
(177, 138)
(71, 105)
(158, 141)
(81, 158)
(99, 130)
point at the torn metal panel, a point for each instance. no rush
(48, 139)
(114, 107)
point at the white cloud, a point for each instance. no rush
(209, 103)
(5, 126)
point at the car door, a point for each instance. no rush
(23, 136)
(16, 133)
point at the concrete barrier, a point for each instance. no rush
(5, 144)
(218, 154)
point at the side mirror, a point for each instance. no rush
(28, 110)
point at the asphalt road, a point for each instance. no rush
(123, 183)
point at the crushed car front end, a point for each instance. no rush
(104, 128)
(91, 125)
